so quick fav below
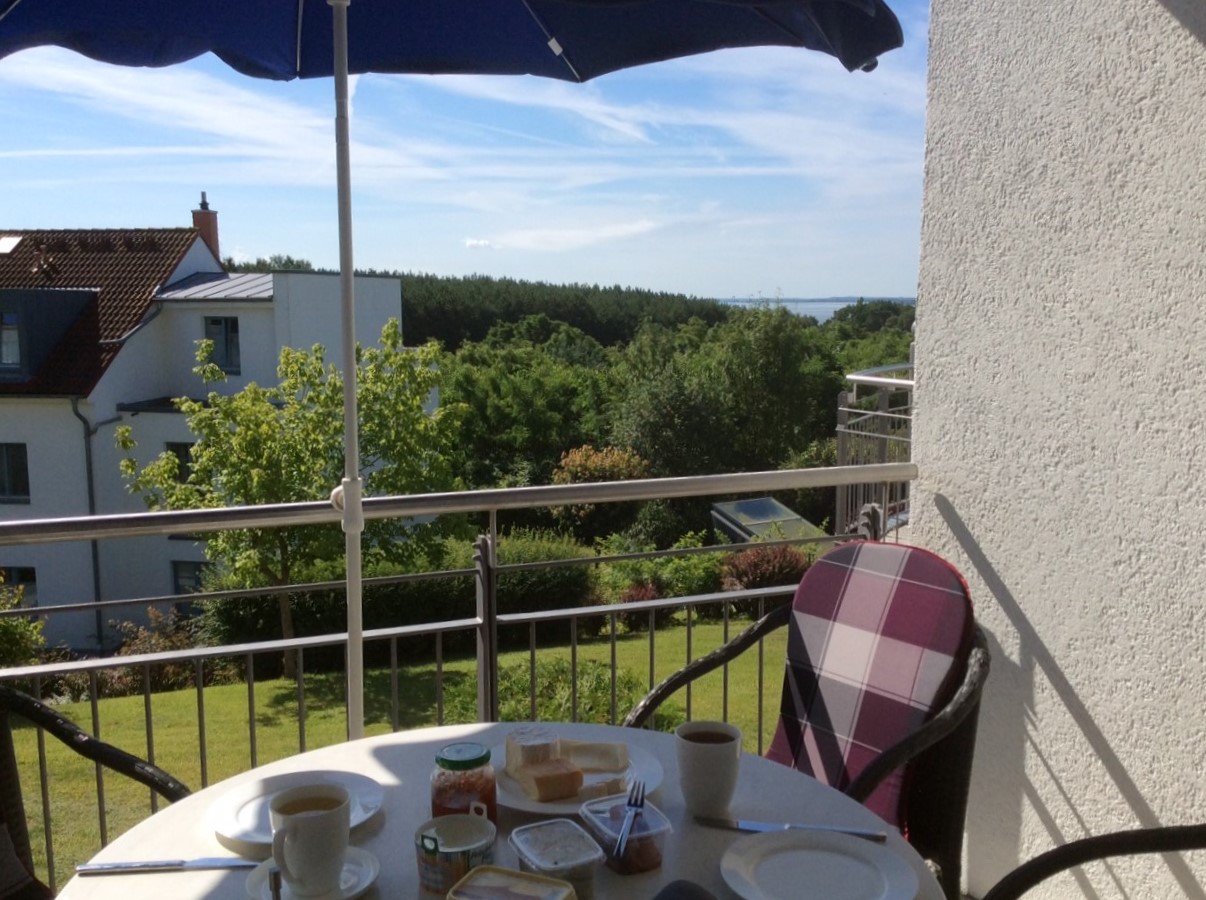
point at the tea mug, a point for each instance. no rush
(310, 825)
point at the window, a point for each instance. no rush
(186, 576)
(10, 339)
(183, 453)
(14, 474)
(22, 577)
(224, 332)
(186, 579)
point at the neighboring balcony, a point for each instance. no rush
(875, 420)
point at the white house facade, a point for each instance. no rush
(1060, 401)
(57, 433)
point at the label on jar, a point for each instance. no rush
(453, 792)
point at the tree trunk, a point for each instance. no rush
(289, 664)
(285, 602)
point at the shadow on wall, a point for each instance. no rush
(993, 845)
(1191, 14)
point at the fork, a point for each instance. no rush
(632, 808)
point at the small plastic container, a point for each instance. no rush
(489, 882)
(646, 841)
(463, 775)
(559, 848)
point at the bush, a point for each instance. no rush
(639, 620)
(630, 580)
(591, 521)
(761, 567)
(165, 632)
(698, 573)
(21, 638)
(555, 681)
(419, 601)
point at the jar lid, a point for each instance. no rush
(463, 755)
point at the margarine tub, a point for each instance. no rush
(494, 883)
(646, 840)
(559, 848)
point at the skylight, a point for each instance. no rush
(8, 242)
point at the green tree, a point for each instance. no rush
(284, 444)
(21, 638)
(277, 262)
(740, 397)
(531, 392)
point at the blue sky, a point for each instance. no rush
(744, 173)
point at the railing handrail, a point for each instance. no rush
(154, 523)
(875, 376)
(277, 645)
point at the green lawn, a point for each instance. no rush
(72, 789)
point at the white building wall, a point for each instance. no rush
(307, 309)
(158, 362)
(1061, 396)
(54, 441)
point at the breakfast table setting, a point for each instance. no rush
(560, 811)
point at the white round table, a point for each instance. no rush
(402, 763)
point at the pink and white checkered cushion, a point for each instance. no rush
(878, 641)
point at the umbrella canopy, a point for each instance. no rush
(569, 39)
(572, 40)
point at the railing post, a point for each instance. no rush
(487, 632)
(841, 513)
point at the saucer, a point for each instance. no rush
(360, 870)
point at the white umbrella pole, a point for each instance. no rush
(353, 511)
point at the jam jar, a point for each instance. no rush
(463, 775)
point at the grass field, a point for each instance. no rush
(72, 784)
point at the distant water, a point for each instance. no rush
(820, 308)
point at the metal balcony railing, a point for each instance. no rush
(289, 720)
(875, 420)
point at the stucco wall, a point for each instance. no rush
(1061, 414)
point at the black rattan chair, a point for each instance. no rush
(920, 777)
(1167, 839)
(12, 806)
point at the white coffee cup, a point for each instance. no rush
(709, 756)
(310, 825)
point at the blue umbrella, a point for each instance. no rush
(574, 40)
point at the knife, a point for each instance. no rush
(165, 865)
(749, 825)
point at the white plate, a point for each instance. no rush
(641, 764)
(360, 869)
(240, 817)
(773, 866)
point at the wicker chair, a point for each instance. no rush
(15, 851)
(1168, 839)
(881, 691)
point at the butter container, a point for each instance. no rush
(604, 818)
(495, 883)
(559, 848)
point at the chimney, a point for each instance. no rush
(205, 220)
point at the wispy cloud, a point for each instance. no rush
(728, 173)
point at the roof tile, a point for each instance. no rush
(124, 266)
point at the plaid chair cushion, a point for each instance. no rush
(878, 641)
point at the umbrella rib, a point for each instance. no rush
(553, 43)
(301, 9)
(767, 17)
(11, 7)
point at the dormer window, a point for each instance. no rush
(224, 332)
(10, 339)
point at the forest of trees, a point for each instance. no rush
(536, 384)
